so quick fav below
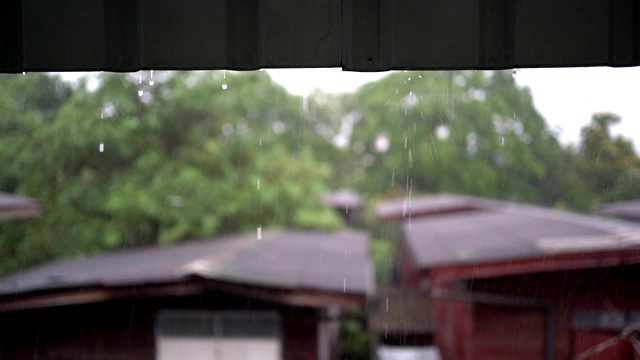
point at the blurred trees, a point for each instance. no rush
(605, 168)
(466, 132)
(128, 163)
(120, 160)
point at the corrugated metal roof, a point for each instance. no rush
(627, 210)
(505, 231)
(12, 206)
(332, 262)
(360, 35)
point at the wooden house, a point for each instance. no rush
(521, 282)
(273, 295)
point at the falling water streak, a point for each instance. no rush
(415, 127)
(421, 115)
(101, 147)
(140, 79)
(393, 176)
(259, 235)
(344, 285)
(410, 159)
(387, 304)
(258, 184)
(405, 141)
(260, 141)
(502, 143)
(434, 146)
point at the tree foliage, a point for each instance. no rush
(120, 160)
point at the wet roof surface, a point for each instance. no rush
(627, 209)
(332, 262)
(12, 206)
(502, 231)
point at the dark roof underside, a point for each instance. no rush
(359, 35)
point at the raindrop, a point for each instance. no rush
(101, 147)
(387, 304)
(502, 144)
(151, 82)
(24, 73)
(258, 184)
(420, 76)
(140, 92)
(140, 79)
(344, 285)
(259, 235)
(224, 86)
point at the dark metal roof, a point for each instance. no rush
(505, 231)
(360, 35)
(12, 207)
(332, 262)
(629, 210)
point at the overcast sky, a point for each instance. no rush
(565, 97)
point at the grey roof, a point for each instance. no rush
(627, 210)
(12, 206)
(343, 199)
(503, 231)
(331, 262)
(412, 207)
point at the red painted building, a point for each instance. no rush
(521, 282)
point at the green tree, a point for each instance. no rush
(130, 163)
(607, 167)
(462, 132)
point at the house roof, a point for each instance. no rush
(283, 259)
(503, 231)
(343, 199)
(627, 210)
(412, 207)
(12, 207)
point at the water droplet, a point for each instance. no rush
(140, 79)
(420, 76)
(259, 235)
(101, 147)
(24, 73)
(258, 184)
(140, 92)
(344, 285)
(224, 86)
(502, 144)
(151, 82)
